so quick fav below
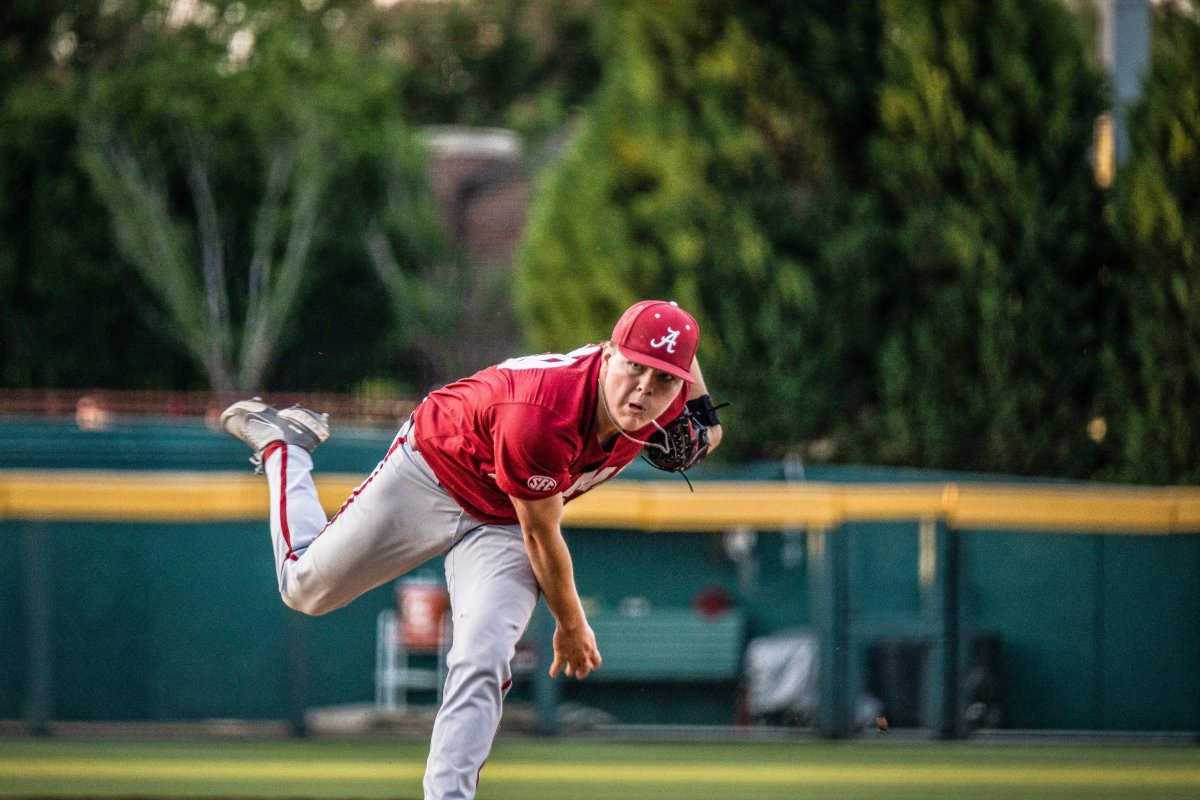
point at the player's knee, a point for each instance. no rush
(487, 676)
(483, 655)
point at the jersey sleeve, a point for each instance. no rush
(533, 451)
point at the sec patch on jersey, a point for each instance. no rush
(541, 483)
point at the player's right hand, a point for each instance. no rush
(575, 653)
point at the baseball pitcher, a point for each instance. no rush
(480, 473)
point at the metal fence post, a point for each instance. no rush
(298, 632)
(39, 621)
(948, 606)
(829, 581)
(545, 689)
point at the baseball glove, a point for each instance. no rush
(679, 446)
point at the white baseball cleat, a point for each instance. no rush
(258, 424)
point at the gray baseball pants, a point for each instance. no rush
(396, 520)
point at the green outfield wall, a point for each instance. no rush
(136, 583)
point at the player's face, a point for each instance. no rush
(636, 393)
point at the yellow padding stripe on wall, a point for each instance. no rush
(92, 496)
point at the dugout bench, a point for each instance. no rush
(675, 645)
(660, 645)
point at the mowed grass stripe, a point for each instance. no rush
(199, 770)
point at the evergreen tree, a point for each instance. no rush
(898, 262)
(695, 176)
(1158, 214)
(992, 326)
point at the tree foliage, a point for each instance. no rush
(693, 178)
(882, 212)
(224, 184)
(1158, 213)
(66, 299)
(186, 111)
(899, 264)
(991, 331)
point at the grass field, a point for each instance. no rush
(526, 769)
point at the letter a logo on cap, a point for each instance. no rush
(669, 340)
(659, 335)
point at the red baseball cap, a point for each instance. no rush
(660, 335)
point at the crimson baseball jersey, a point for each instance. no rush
(524, 428)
